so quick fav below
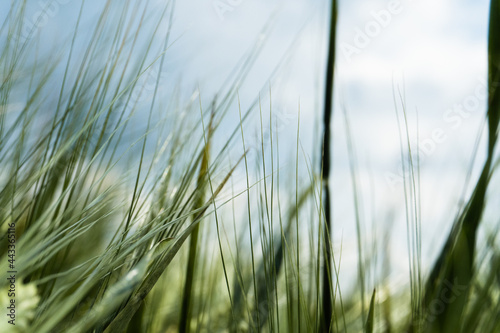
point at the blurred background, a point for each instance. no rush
(423, 60)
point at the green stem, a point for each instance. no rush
(325, 167)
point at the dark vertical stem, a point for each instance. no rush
(493, 76)
(325, 170)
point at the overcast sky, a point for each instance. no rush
(434, 52)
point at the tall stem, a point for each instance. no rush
(325, 170)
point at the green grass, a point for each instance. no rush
(134, 218)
